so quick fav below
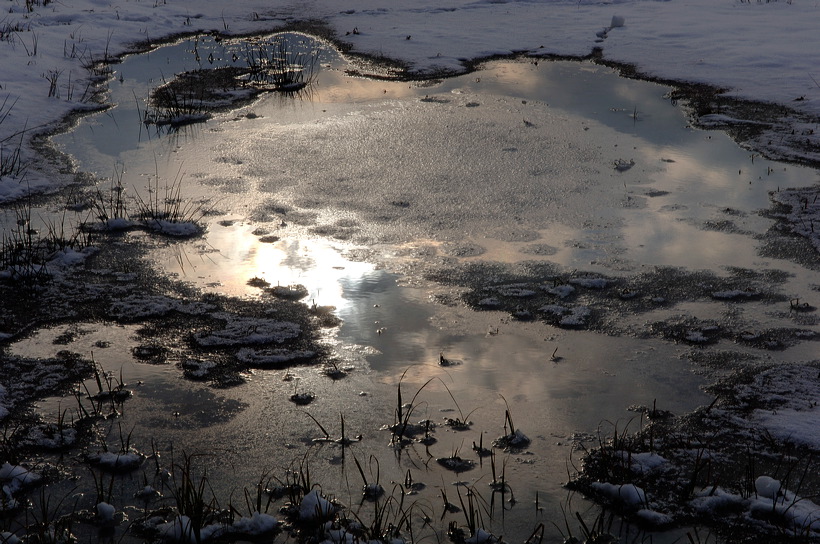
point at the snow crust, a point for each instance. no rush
(792, 394)
(142, 306)
(272, 357)
(249, 331)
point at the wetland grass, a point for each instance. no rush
(29, 256)
(164, 210)
(280, 65)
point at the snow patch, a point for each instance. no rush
(314, 506)
(626, 494)
(249, 331)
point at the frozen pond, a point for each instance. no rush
(419, 210)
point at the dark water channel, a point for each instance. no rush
(512, 114)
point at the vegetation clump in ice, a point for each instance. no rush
(743, 464)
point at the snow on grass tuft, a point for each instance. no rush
(481, 537)
(773, 501)
(628, 495)
(575, 316)
(512, 442)
(105, 512)
(179, 229)
(653, 518)
(713, 501)
(643, 462)
(12, 479)
(516, 290)
(116, 462)
(52, 437)
(15, 477)
(315, 507)
(257, 525)
(735, 294)
(181, 529)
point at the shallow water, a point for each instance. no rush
(368, 184)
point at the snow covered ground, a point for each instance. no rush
(754, 50)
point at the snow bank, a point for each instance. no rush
(786, 402)
(735, 45)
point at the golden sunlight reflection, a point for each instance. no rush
(335, 86)
(235, 253)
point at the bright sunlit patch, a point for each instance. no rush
(238, 259)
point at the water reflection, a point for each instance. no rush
(114, 136)
(514, 162)
(236, 252)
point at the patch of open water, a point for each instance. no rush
(516, 162)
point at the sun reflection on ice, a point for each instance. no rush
(236, 258)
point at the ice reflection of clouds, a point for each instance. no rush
(657, 239)
(593, 371)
